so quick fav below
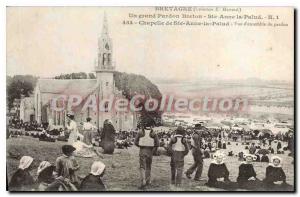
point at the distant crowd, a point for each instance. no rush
(176, 143)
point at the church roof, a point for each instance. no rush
(51, 88)
(67, 86)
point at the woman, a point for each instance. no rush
(83, 150)
(22, 179)
(275, 176)
(93, 182)
(247, 175)
(72, 128)
(108, 137)
(218, 174)
(45, 175)
(88, 129)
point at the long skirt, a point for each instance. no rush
(72, 138)
(88, 137)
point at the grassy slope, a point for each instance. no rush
(122, 167)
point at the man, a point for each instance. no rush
(178, 148)
(88, 129)
(197, 152)
(146, 140)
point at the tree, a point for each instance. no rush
(19, 85)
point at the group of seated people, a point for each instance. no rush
(61, 177)
(275, 178)
(27, 126)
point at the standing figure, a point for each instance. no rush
(146, 140)
(197, 155)
(72, 128)
(178, 148)
(88, 129)
(108, 137)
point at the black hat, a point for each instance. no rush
(68, 149)
(180, 130)
(88, 119)
(71, 114)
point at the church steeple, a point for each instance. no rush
(104, 26)
(105, 52)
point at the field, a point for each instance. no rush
(122, 168)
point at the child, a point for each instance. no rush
(93, 182)
(45, 175)
(22, 179)
(275, 176)
(218, 174)
(65, 171)
(247, 175)
(146, 140)
(178, 148)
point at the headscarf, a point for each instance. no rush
(218, 155)
(253, 157)
(97, 168)
(25, 162)
(276, 157)
(43, 165)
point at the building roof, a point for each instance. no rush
(67, 86)
(51, 88)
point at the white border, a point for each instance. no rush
(5, 3)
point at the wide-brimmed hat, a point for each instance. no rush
(68, 149)
(253, 157)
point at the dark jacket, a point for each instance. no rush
(20, 181)
(274, 174)
(216, 171)
(46, 175)
(245, 172)
(92, 183)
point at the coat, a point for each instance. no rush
(92, 183)
(21, 181)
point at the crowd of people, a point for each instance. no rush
(63, 175)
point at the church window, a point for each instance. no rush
(104, 59)
(106, 107)
(107, 46)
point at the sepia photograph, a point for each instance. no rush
(150, 99)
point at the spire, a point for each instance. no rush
(105, 26)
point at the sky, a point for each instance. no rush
(48, 41)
